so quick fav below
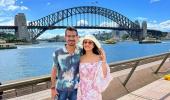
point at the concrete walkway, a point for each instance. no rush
(42, 95)
(157, 90)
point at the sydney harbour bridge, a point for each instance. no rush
(91, 16)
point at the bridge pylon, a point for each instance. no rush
(144, 28)
(22, 31)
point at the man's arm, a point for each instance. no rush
(53, 77)
(53, 83)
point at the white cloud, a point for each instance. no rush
(23, 8)
(6, 21)
(153, 1)
(4, 3)
(48, 3)
(93, 31)
(7, 8)
(154, 21)
(106, 24)
(82, 23)
(163, 26)
(83, 32)
(141, 18)
(10, 5)
(21, 2)
(89, 31)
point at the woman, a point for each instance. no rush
(93, 70)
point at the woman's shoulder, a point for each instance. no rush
(98, 57)
(84, 58)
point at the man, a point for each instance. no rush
(64, 75)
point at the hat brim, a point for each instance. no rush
(92, 38)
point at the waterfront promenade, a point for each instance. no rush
(157, 90)
(144, 83)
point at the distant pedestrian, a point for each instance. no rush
(65, 70)
(1, 93)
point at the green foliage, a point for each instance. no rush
(125, 37)
(57, 38)
(7, 37)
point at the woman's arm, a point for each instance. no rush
(104, 62)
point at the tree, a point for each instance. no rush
(125, 36)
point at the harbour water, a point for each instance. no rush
(35, 60)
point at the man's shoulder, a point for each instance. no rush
(80, 50)
(58, 51)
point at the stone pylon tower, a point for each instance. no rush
(144, 28)
(22, 32)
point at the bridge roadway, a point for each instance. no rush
(63, 27)
(78, 27)
(157, 89)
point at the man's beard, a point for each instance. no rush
(71, 42)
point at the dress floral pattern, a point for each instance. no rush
(87, 89)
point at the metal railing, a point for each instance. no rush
(26, 82)
(117, 66)
(134, 63)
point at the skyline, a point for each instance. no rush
(155, 12)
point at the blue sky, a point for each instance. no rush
(155, 12)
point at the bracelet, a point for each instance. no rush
(53, 87)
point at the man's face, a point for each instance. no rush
(71, 38)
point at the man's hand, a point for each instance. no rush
(54, 92)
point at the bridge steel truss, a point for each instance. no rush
(59, 16)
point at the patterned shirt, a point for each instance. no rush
(67, 68)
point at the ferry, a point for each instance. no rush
(4, 45)
(150, 40)
(109, 41)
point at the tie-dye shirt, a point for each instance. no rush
(67, 68)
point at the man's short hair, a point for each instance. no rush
(70, 28)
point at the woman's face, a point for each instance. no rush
(88, 45)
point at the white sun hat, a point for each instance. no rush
(92, 38)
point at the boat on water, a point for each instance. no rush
(4, 45)
(8, 46)
(109, 41)
(150, 40)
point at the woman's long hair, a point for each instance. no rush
(95, 50)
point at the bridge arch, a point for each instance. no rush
(52, 19)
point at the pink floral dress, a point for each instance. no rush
(92, 83)
(87, 89)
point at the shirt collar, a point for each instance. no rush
(65, 50)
